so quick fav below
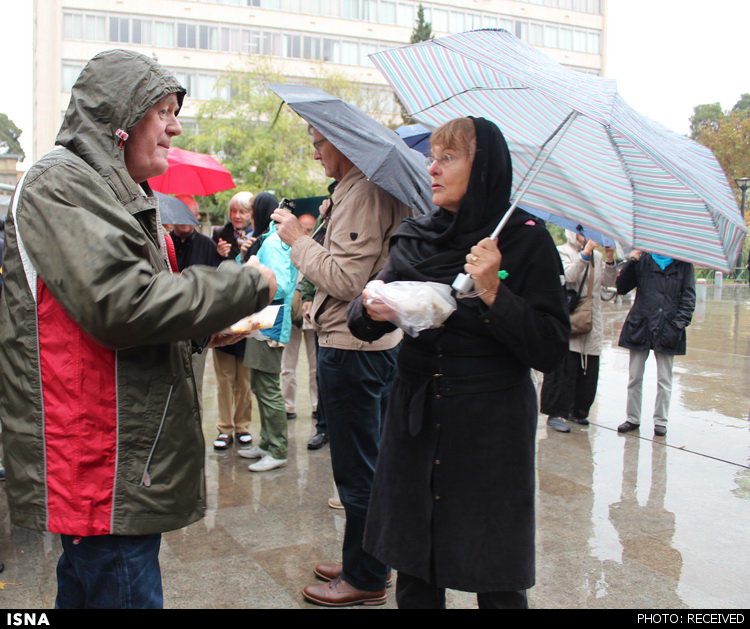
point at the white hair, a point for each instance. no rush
(243, 199)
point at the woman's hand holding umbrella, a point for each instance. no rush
(483, 264)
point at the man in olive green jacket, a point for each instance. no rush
(101, 425)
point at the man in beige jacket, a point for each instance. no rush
(354, 375)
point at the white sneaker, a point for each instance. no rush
(256, 452)
(266, 463)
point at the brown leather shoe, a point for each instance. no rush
(331, 571)
(339, 593)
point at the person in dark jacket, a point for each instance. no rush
(452, 504)
(191, 248)
(663, 308)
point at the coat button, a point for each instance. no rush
(486, 320)
(437, 426)
(437, 461)
(437, 497)
(438, 396)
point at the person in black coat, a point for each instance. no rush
(663, 308)
(452, 504)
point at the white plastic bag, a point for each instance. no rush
(258, 321)
(417, 306)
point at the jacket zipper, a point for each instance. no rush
(146, 478)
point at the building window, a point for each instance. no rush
(119, 30)
(141, 31)
(186, 35)
(70, 72)
(164, 34)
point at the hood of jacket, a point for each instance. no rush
(113, 92)
(571, 238)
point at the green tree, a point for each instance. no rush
(422, 29)
(743, 104)
(705, 116)
(727, 134)
(9, 134)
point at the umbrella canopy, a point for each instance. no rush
(192, 173)
(613, 169)
(376, 150)
(174, 212)
(566, 223)
(416, 136)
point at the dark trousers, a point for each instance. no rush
(109, 572)
(569, 390)
(354, 388)
(413, 593)
(321, 426)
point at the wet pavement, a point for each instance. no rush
(624, 521)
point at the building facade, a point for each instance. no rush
(200, 40)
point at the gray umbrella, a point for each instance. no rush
(377, 151)
(174, 212)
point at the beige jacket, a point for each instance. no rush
(355, 249)
(604, 275)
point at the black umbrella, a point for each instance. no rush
(174, 212)
(376, 150)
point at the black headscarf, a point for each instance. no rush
(263, 206)
(434, 247)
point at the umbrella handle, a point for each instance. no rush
(464, 283)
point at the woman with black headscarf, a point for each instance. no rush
(452, 505)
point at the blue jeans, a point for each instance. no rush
(109, 572)
(353, 394)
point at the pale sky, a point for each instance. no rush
(667, 56)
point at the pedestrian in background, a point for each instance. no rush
(569, 391)
(233, 390)
(192, 247)
(663, 308)
(302, 334)
(263, 356)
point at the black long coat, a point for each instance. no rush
(453, 497)
(663, 307)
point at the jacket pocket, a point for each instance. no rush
(146, 476)
(636, 332)
(669, 336)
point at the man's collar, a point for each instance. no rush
(346, 182)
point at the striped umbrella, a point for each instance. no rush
(590, 157)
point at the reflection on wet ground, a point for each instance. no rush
(624, 521)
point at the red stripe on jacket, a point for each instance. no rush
(79, 390)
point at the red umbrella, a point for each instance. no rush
(192, 173)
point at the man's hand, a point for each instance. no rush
(288, 227)
(225, 337)
(306, 310)
(267, 275)
(635, 254)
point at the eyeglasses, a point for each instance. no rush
(444, 160)
(316, 145)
